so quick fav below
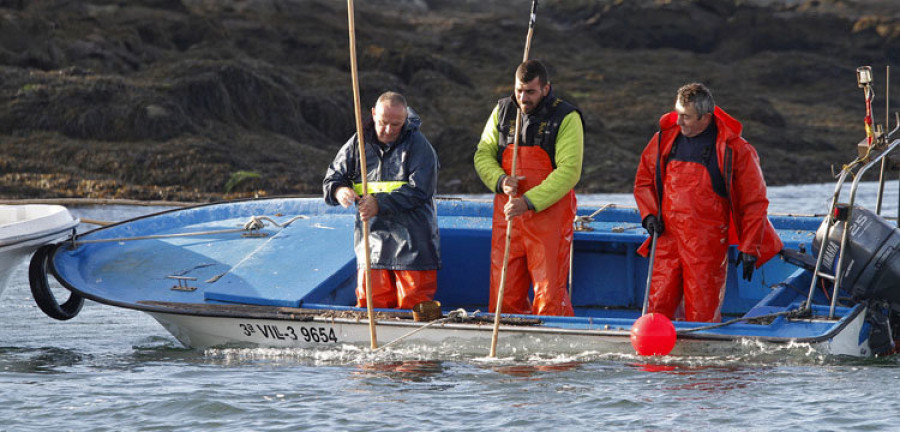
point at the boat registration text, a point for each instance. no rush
(307, 334)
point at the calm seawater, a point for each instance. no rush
(111, 369)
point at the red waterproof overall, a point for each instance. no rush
(539, 244)
(690, 258)
(691, 254)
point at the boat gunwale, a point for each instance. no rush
(53, 233)
(278, 313)
(694, 336)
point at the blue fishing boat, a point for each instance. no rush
(281, 272)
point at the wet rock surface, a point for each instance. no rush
(202, 100)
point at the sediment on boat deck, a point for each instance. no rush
(305, 314)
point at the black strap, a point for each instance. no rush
(659, 179)
(727, 172)
(728, 176)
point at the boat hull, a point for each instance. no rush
(24, 228)
(253, 329)
(291, 283)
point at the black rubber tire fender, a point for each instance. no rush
(40, 288)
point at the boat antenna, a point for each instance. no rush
(882, 137)
(864, 81)
(499, 309)
(362, 166)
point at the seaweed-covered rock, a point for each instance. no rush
(204, 100)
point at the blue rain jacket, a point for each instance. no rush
(404, 234)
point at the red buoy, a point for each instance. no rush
(653, 334)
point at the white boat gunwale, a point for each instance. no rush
(619, 332)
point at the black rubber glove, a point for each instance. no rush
(749, 262)
(653, 225)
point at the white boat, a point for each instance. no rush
(213, 279)
(24, 228)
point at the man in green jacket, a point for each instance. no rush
(539, 196)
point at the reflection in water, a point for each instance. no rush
(410, 370)
(528, 370)
(707, 378)
(650, 367)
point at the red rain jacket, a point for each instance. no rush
(750, 228)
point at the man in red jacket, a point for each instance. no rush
(699, 187)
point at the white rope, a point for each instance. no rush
(590, 218)
(159, 236)
(580, 220)
(255, 223)
(459, 313)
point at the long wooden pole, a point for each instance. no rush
(509, 223)
(362, 166)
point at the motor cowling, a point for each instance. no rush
(871, 268)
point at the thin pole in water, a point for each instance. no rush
(499, 309)
(362, 166)
(649, 274)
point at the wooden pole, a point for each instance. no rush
(362, 166)
(509, 223)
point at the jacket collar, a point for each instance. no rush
(543, 106)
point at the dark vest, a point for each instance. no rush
(701, 149)
(539, 128)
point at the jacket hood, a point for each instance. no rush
(413, 122)
(727, 125)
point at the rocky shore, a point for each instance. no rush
(202, 100)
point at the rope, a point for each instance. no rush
(255, 223)
(459, 313)
(95, 222)
(590, 218)
(795, 312)
(580, 220)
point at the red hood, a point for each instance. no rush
(728, 126)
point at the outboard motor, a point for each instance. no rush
(872, 261)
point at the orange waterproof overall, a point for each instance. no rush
(539, 244)
(691, 254)
(396, 288)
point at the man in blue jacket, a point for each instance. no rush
(401, 170)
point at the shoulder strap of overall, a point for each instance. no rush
(659, 179)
